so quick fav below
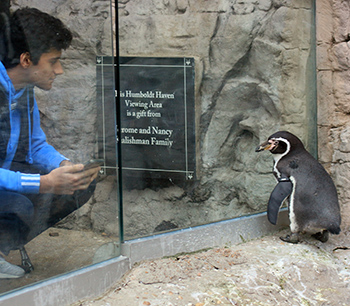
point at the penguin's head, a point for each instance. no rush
(281, 142)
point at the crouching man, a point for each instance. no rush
(38, 185)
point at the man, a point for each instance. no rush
(38, 185)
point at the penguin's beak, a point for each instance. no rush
(264, 146)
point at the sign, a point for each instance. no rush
(157, 130)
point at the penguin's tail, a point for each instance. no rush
(334, 229)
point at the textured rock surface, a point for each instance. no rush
(333, 93)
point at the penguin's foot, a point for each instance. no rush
(292, 238)
(322, 236)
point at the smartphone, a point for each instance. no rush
(93, 163)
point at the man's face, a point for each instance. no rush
(44, 73)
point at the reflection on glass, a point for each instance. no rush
(253, 65)
(54, 215)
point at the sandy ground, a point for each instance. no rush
(265, 271)
(55, 252)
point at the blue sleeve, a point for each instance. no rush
(19, 182)
(42, 153)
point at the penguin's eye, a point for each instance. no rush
(274, 142)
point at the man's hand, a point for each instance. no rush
(67, 179)
(66, 162)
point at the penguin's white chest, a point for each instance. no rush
(277, 158)
(293, 223)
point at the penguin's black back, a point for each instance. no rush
(315, 196)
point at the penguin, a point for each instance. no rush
(313, 205)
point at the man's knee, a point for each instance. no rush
(16, 203)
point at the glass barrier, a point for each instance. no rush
(202, 84)
(58, 212)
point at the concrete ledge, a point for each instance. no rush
(71, 287)
(94, 280)
(219, 234)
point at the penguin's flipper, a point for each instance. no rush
(282, 190)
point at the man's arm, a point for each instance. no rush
(19, 182)
(64, 177)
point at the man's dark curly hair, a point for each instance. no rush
(36, 32)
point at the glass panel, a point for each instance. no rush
(64, 215)
(186, 164)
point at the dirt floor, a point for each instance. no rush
(265, 271)
(55, 252)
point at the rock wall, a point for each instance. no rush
(254, 75)
(254, 66)
(333, 75)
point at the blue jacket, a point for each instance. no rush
(21, 138)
